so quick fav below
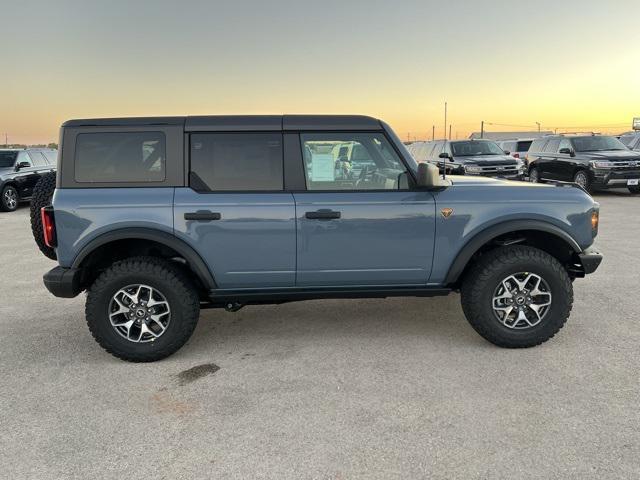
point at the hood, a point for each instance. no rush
(486, 159)
(613, 155)
(6, 170)
(488, 181)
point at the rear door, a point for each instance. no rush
(235, 212)
(363, 229)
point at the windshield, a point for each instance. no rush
(466, 149)
(597, 144)
(7, 159)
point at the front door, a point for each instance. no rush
(235, 213)
(360, 226)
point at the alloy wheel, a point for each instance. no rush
(521, 300)
(11, 198)
(139, 313)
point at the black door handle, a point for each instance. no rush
(322, 215)
(202, 216)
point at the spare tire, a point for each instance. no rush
(42, 195)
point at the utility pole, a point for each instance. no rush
(538, 123)
(449, 131)
(433, 132)
(6, 140)
(445, 120)
(482, 129)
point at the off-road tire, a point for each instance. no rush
(634, 190)
(534, 177)
(4, 206)
(481, 280)
(582, 178)
(160, 274)
(42, 194)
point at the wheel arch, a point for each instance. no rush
(544, 235)
(112, 243)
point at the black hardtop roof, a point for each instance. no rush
(234, 123)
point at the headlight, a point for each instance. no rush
(473, 169)
(598, 164)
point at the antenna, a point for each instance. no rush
(444, 160)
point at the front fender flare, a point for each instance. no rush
(490, 233)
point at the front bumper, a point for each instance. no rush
(590, 260)
(614, 178)
(63, 282)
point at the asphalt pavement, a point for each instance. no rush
(400, 388)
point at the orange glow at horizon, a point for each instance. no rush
(158, 58)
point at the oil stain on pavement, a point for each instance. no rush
(195, 373)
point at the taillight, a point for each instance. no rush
(516, 155)
(48, 226)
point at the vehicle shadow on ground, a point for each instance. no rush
(439, 320)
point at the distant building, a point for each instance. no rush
(510, 135)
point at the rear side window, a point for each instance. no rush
(523, 146)
(236, 161)
(120, 157)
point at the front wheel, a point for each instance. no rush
(517, 296)
(9, 199)
(142, 309)
(534, 175)
(582, 179)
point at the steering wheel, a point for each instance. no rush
(366, 174)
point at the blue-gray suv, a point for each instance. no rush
(157, 218)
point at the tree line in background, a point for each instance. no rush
(41, 145)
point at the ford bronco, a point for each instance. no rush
(157, 218)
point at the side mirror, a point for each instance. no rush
(22, 165)
(444, 155)
(567, 151)
(429, 176)
(507, 152)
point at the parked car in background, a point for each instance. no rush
(20, 170)
(631, 140)
(469, 157)
(517, 148)
(592, 161)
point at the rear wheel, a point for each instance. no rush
(534, 175)
(142, 309)
(517, 296)
(582, 179)
(42, 195)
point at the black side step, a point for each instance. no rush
(221, 297)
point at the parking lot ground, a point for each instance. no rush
(401, 388)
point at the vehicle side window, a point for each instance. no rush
(24, 157)
(236, 162)
(372, 165)
(38, 159)
(120, 157)
(52, 156)
(437, 150)
(552, 146)
(538, 145)
(565, 143)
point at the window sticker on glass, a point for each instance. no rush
(322, 167)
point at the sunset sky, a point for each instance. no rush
(566, 64)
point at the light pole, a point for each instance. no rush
(538, 123)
